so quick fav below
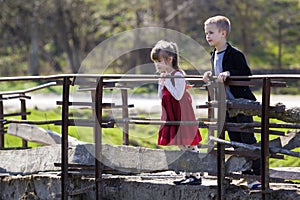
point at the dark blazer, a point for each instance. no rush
(235, 62)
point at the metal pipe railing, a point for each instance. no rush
(68, 80)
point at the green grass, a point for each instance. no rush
(139, 135)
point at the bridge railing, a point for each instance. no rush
(96, 84)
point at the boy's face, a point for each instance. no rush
(214, 36)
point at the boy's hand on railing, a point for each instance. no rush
(223, 76)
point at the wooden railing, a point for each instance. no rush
(96, 84)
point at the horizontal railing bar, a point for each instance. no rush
(61, 76)
(272, 132)
(159, 122)
(254, 82)
(258, 124)
(36, 122)
(91, 104)
(87, 123)
(29, 90)
(15, 114)
(15, 97)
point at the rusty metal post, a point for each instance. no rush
(1, 123)
(265, 176)
(210, 113)
(98, 137)
(221, 98)
(93, 96)
(23, 117)
(64, 138)
(125, 116)
(221, 169)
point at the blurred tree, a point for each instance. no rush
(33, 58)
(14, 35)
(277, 38)
(46, 37)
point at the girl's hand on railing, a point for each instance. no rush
(161, 80)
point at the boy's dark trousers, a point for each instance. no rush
(244, 137)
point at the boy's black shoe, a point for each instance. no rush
(252, 172)
(180, 181)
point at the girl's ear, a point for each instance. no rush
(170, 59)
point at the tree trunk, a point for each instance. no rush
(75, 48)
(33, 59)
(62, 30)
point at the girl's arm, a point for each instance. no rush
(177, 90)
(160, 90)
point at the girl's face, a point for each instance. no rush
(214, 36)
(163, 65)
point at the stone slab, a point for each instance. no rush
(122, 158)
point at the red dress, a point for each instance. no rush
(174, 110)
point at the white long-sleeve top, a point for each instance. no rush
(176, 90)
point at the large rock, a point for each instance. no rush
(121, 158)
(37, 134)
(30, 160)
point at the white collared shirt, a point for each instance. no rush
(176, 90)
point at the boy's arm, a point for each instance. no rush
(238, 66)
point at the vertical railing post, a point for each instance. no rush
(265, 136)
(210, 112)
(221, 98)
(64, 138)
(23, 116)
(98, 137)
(93, 97)
(125, 116)
(1, 123)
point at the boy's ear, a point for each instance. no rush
(224, 33)
(170, 59)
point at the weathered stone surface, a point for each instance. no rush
(139, 159)
(30, 160)
(144, 186)
(290, 173)
(125, 159)
(291, 140)
(128, 159)
(291, 115)
(274, 145)
(122, 158)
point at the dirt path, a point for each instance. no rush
(148, 103)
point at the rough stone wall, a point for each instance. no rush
(47, 187)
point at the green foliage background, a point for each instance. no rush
(39, 37)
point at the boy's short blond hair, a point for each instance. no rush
(222, 23)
